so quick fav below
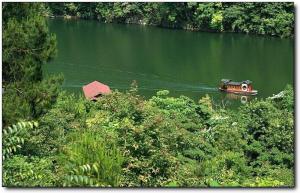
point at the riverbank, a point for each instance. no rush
(160, 142)
(274, 19)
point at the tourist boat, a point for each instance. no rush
(243, 88)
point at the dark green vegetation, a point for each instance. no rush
(123, 140)
(52, 138)
(258, 18)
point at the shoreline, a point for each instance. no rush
(186, 27)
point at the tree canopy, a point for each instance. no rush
(271, 18)
(26, 42)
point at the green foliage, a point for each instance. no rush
(29, 100)
(226, 169)
(26, 42)
(89, 160)
(27, 45)
(148, 161)
(124, 140)
(23, 171)
(272, 18)
(270, 134)
(20, 170)
(263, 182)
(285, 99)
(14, 107)
(216, 21)
(14, 137)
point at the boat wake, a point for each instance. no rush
(121, 79)
(173, 87)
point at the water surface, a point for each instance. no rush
(183, 62)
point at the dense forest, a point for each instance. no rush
(52, 138)
(257, 18)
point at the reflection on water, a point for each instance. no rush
(183, 62)
(242, 98)
(232, 100)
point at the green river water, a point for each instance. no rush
(183, 62)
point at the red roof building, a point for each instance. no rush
(95, 89)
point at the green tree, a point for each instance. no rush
(27, 44)
(272, 18)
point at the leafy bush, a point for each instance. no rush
(15, 136)
(23, 171)
(89, 160)
(20, 170)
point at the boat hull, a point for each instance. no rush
(253, 92)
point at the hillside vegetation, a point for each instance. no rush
(272, 18)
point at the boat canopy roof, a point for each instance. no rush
(229, 82)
